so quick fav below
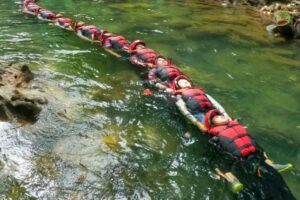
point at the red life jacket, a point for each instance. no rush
(77, 28)
(46, 14)
(89, 28)
(233, 138)
(34, 8)
(64, 21)
(167, 73)
(92, 29)
(118, 42)
(27, 2)
(195, 99)
(145, 55)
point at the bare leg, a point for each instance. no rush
(236, 185)
(279, 167)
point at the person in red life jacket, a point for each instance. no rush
(234, 140)
(163, 74)
(47, 15)
(141, 55)
(31, 8)
(229, 134)
(114, 42)
(87, 32)
(193, 102)
(26, 2)
(65, 23)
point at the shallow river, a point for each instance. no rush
(100, 138)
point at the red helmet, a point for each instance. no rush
(133, 45)
(58, 15)
(209, 115)
(159, 56)
(178, 78)
(104, 35)
(78, 25)
(26, 2)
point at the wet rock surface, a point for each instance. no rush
(19, 98)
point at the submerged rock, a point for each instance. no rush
(10, 188)
(46, 166)
(18, 99)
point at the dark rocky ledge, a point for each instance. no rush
(18, 99)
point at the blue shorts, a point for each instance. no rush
(199, 117)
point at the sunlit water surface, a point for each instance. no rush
(100, 138)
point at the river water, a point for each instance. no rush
(100, 138)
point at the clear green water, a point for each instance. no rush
(99, 138)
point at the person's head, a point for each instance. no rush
(77, 26)
(182, 82)
(26, 2)
(58, 15)
(137, 44)
(107, 34)
(215, 118)
(104, 35)
(80, 23)
(219, 120)
(161, 61)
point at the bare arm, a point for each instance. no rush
(160, 86)
(183, 109)
(113, 53)
(154, 80)
(134, 60)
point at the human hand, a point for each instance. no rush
(160, 86)
(169, 90)
(150, 65)
(201, 126)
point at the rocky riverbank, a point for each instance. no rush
(258, 3)
(19, 98)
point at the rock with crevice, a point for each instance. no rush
(18, 98)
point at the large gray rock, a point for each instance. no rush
(18, 100)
